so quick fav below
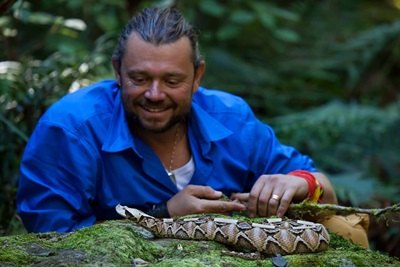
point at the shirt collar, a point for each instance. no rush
(209, 129)
(118, 136)
(205, 128)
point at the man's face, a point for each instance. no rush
(157, 82)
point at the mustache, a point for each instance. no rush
(154, 104)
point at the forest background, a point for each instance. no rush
(325, 74)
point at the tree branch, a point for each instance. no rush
(308, 210)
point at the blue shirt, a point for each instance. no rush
(82, 160)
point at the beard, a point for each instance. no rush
(137, 123)
(140, 123)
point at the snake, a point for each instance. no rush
(274, 236)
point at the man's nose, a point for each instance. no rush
(155, 92)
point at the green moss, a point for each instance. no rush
(105, 239)
(8, 253)
(342, 253)
(117, 243)
(20, 250)
(110, 243)
(190, 253)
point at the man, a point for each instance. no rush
(155, 140)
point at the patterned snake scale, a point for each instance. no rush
(274, 236)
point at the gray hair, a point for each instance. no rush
(159, 26)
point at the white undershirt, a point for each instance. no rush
(184, 174)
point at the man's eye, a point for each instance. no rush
(172, 82)
(138, 80)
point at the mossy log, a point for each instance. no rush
(122, 243)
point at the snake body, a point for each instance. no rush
(272, 237)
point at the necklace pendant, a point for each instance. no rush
(172, 176)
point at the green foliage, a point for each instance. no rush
(321, 64)
(356, 144)
(324, 74)
(30, 83)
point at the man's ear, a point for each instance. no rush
(198, 75)
(116, 67)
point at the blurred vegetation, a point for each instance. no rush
(324, 73)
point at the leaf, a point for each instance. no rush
(242, 16)
(286, 35)
(212, 7)
(228, 31)
(76, 24)
(13, 128)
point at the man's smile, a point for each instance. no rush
(154, 109)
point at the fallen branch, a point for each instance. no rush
(307, 210)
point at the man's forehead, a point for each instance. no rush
(143, 56)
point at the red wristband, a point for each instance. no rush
(315, 190)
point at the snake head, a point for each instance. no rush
(131, 213)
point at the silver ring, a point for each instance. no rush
(276, 197)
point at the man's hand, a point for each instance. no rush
(196, 199)
(272, 195)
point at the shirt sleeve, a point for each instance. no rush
(278, 158)
(57, 181)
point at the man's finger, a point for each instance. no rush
(254, 195)
(203, 192)
(217, 206)
(285, 202)
(242, 197)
